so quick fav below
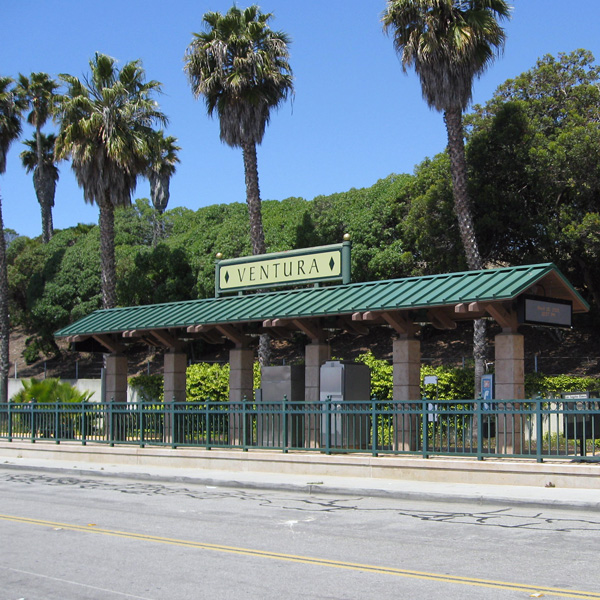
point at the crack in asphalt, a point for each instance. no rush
(512, 518)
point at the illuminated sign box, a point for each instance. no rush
(539, 310)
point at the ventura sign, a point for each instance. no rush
(311, 265)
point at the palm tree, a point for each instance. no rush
(161, 168)
(11, 110)
(45, 176)
(39, 91)
(106, 129)
(240, 66)
(449, 43)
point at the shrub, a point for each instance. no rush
(544, 386)
(453, 384)
(207, 382)
(50, 390)
(148, 387)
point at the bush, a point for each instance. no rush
(207, 382)
(381, 376)
(50, 390)
(453, 384)
(211, 381)
(148, 387)
(538, 384)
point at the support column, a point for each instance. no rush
(241, 362)
(175, 364)
(510, 385)
(115, 390)
(315, 355)
(116, 378)
(407, 388)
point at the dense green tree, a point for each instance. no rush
(40, 92)
(11, 110)
(534, 151)
(159, 274)
(218, 228)
(106, 125)
(372, 217)
(449, 43)
(39, 159)
(429, 229)
(54, 283)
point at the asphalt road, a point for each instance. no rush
(80, 537)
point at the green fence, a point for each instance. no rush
(538, 428)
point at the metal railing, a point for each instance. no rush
(538, 428)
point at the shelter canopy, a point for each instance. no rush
(441, 300)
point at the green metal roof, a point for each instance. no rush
(396, 294)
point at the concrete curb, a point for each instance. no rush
(517, 496)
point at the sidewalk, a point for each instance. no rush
(564, 498)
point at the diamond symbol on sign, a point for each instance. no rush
(331, 264)
(226, 276)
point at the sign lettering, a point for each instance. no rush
(324, 263)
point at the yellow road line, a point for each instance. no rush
(443, 578)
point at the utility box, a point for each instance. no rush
(345, 392)
(277, 383)
(582, 418)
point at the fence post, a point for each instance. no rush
(140, 410)
(424, 426)
(83, 423)
(32, 419)
(374, 427)
(479, 420)
(173, 424)
(207, 424)
(244, 425)
(539, 442)
(9, 418)
(284, 436)
(57, 431)
(328, 425)
(111, 424)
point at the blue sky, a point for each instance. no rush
(355, 118)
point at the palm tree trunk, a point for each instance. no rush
(257, 236)
(462, 208)
(4, 320)
(39, 181)
(47, 224)
(107, 253)
(462, 204)
(45, 188)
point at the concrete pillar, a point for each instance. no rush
(116, 391)
(510, 385)
(407, 388)
(241, 362)
(315, 355)
(175, 364)
(116, 378)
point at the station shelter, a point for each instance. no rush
(246, 307)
